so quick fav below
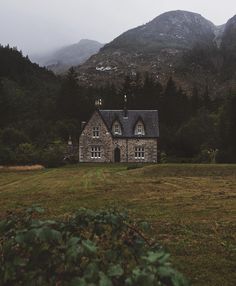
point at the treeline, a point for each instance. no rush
(193, 128)
(39, 111)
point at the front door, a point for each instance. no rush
(117, 155)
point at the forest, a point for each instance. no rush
(39, 111)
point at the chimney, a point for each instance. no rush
(70, 141)
(98, 103)
(125, 107)
(83, 124)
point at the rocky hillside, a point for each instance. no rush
(61, 60)
(180, 44)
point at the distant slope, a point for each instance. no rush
(26, 87)
(180, 44)
(73, 55)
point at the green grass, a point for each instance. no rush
(192, 208)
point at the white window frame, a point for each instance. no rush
(139, 129)
(139, 152)
(117, 129)
(96, 132)
(95, 152)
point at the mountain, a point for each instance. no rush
(229, 36)
(61, 60)
(180, 44)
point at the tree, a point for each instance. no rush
(4, 106)
(69, 100)
(227, 127)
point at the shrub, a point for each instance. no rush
(7, 156)
(12, 137)
(53, 156)
(163, 158)
(90, 248)
(27, 154)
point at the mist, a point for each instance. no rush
(37, 27)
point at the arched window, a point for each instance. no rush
(139, 128)
(116, 128)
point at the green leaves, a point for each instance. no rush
(91, 248)
(115, 271)
(47, 234)
(158, 257)
(104, 280)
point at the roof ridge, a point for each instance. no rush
(128, 110)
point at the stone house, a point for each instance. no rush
(120, 136)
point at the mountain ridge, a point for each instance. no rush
(62, 59)
(169, 45)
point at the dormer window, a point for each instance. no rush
(116, 128)
(95, 132)
(139, 129)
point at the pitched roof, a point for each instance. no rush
(149, 118)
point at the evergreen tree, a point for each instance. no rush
(195, 101)
(4, 107)
(69, 101)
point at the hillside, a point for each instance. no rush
(180, 44)
(62, 59)
(25, 89)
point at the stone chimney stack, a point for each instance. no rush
(98, 103)
(83, 124)
(125, 107)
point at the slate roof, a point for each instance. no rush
(148, 117)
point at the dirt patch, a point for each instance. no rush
(22, 168)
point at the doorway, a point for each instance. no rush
(117, 155)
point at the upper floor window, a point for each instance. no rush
(139, 129)
(96, 132)
(116, 128)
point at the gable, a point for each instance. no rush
(96, 121)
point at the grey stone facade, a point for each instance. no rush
(98, 143)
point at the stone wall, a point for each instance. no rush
(127, 149)
(108, 144)
(87, 141)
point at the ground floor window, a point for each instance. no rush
(96, 152)
(139, 153)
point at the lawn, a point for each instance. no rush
(192, 208)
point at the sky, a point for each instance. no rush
(39, 26)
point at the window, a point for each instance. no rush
(116, 128)
(96, 152)
(139, 153)
(95, 132)
(139, 129)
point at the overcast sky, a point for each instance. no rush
(37, 26)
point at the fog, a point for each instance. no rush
(38, 26)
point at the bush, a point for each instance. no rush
(90, 248)
(11, 137)
(208, 156)
(27, 154)
(7, 156)
(53, 156)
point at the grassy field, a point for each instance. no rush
(192, 208)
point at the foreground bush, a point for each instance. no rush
(91, 248)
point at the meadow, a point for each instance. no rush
(191, 208)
